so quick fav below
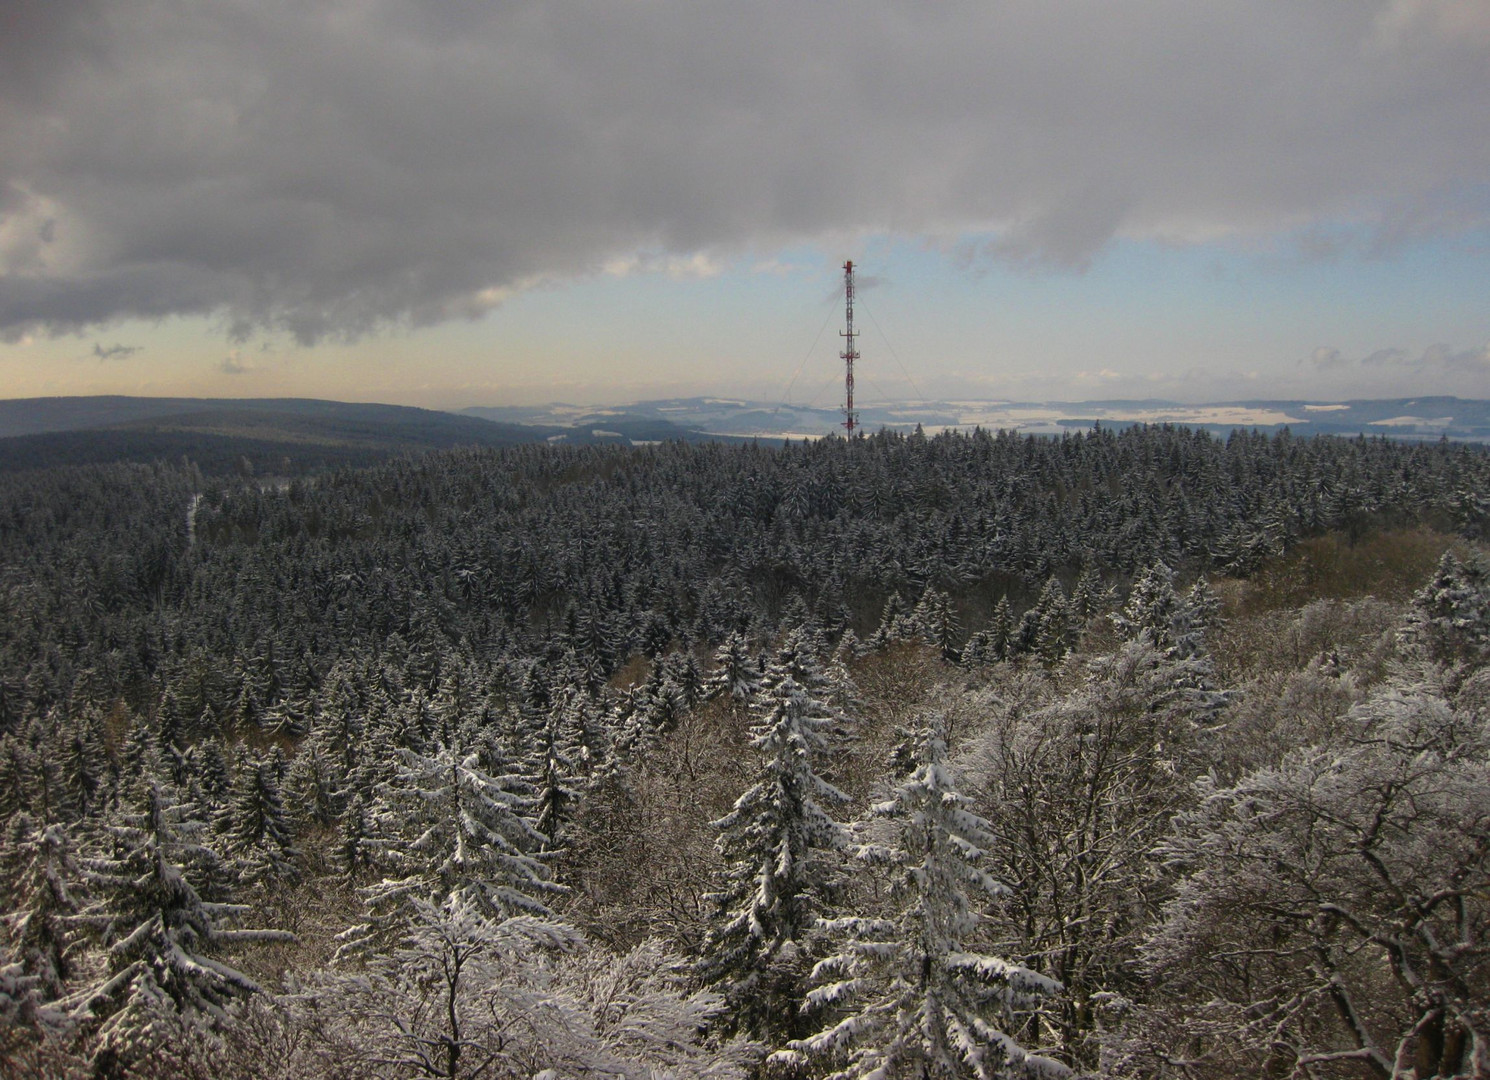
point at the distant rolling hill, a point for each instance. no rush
(276, 436)
(282, 436)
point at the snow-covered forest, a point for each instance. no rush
(1131, 754)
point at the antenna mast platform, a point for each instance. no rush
(849, 354)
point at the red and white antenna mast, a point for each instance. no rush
(849, 354)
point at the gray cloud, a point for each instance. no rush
(234, 364)
(1390, 357)
(1469, 360)
(1439, 357)
(1064, 234)
(114, 352)
(328, 169)
(1324, 358)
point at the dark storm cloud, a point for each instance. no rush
(328, 168)
(34, 36)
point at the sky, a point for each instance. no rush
(476, 202)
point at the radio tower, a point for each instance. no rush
(849, 354)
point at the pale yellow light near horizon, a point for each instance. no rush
(1145, 323)
(592, 343)
(439, 367)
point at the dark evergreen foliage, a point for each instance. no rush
(419, 681)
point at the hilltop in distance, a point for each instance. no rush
(293, 436)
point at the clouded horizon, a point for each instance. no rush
(458, 202)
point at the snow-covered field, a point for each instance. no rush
(1422, 418)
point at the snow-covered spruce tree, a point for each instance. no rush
(447, 827)
(659, 701)
(49, 794)
(555, 765)
(891, 624)
(776, 841)
(737, 672)
(315, 781)
(159, 933)
(938, 622)
(258, 837)
(1047, 629)
(17, 765)
(30, 1029)
(214, 779)
(993, 642)
(797, 658)
(140, 765)
(1088, 595)
(683, 671)
(632, 734)
(1152, 608)
(42, 923)
(357, 845)
(979, 649)
(1203, 615)
(843, 692)
(1449, 621)
(906, 997)
(1157, 614)
(84, 762)
(1244, 547)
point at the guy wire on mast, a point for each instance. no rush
(849, 354)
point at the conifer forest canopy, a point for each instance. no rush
(1137, 754)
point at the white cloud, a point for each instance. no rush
(698, 265)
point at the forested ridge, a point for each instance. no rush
(1136, 754)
